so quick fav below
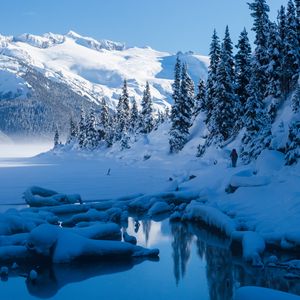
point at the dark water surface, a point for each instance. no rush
(193, 264)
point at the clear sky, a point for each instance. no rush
(169, 25)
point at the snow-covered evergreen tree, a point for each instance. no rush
(260, 62)
(214, 54)
(104, 115)
(297, 5)
(123, 113)
(134, 119)
(296, 100)
(73, 133)
(110, 131)
(275, 63)
(258, 133)
(181, 112)
(291, 50)
(242, 73)
(225, 102)
(147, 122)
(199, 103)
(125, 140)
(293, 145)
(82, 130)
(56, 138)
(92, 137)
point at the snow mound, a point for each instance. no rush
(65, 246)
(211, 216)
(36, 197)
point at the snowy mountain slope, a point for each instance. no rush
(89, 68)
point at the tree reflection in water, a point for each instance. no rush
(224, 271)
(146, 225)
(181, 246)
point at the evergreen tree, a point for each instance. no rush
(282, 30)
(92, 138)
(260, 62)
(297, 5)
(296, 100)
(134, 118)
(56, 138)
(125, 141)
(73, 134)
(104, 115)
(147, 122)
(243, 70)
(110, 131)
(82, 130)
(123, 113)
(291, 50)
(104, 130)
(200, 98)
(225, 102)
(182, 113)
(212, 74)
(274, 70)
(293, 145)
(257, 135)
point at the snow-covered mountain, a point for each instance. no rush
(45, 79)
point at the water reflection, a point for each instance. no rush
(181, 245)
(55, 277)
(191, 258)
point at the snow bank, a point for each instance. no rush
(209, 215)
(258, 293)
(89, 216)
(37, 197)
(248, 179)
(159, 208)
(64, 246)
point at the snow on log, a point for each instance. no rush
(37, 197)
(64, 246)
(211, 216)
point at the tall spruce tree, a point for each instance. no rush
(134, 118)
(181, 112)
(214, 54)
(82, 129)
(147, 122)
(256, 123)
(56, 138)
(73, 133)
(297, 5)
(274, 70)
(92, 138)
(225, 102)
(282, 30)
(104, 115)
(293, 144)
(199, 103)
(260, 11)
(291, 50)
(296, 100)
(243, 70)
(123, 113)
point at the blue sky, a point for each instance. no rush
(169, 25)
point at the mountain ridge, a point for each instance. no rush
(89, 68)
